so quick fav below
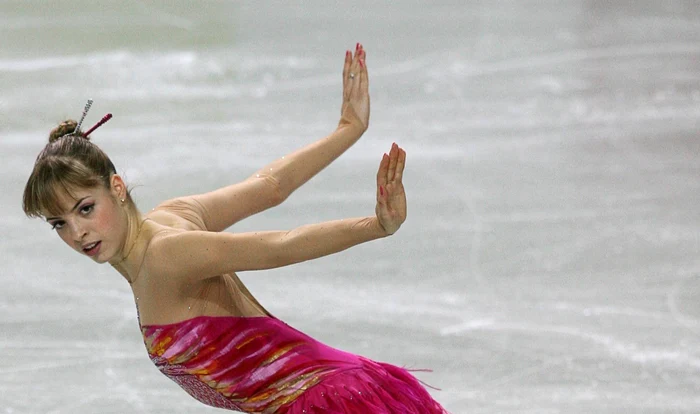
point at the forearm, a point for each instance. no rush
(196, 255)
(322, 239)
(295, 169)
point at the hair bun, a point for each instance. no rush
(65, 127)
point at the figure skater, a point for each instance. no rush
(202, 328)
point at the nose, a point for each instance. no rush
(79, 233)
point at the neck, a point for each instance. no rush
(122, 261)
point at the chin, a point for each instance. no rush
(99, 260)
(102, 258)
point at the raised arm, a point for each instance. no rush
(295, 169)
(194, 255)
(276, 181)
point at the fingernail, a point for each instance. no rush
(362, 65)
(347, 53)
(381, 190)
(357, 46)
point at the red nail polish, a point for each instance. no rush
(362, 65)
(381, 190)
(347, 53)
(357, 46)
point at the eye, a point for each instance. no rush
(86, 209)
(57, 225)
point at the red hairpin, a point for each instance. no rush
(99, 124)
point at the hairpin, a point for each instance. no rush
(76, 131)
(98, 124)
(82, 118)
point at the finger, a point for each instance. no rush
(355, 57)
(382, 174)
(354, 65)
(355, 80)
(393, 158)
(382, 196)
(364, 78)
(346, 75)
(346, 67)
(360, 57)
(356, 86)
(400, 164)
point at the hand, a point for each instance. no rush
(391, 198)
(356, 88)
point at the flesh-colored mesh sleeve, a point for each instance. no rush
(223, 295)
(189, 209)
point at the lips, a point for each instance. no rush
(92, 249)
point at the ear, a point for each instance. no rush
(117, 187)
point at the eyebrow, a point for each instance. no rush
(73, 209)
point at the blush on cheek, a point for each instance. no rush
(107, 221)
(68, 239)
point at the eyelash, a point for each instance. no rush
(87, 206)
(86, 209)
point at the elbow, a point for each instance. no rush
(282, 252)
(276, 193)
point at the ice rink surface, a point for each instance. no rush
(550, 262)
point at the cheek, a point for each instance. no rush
(110, 224)
(106, 220)
(67, 238)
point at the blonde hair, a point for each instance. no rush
(67, 163)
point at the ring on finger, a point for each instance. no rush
(352, 75)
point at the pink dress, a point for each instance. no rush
(263, 365)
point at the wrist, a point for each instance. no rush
(350, 121)
(378, 228)
(353, 129)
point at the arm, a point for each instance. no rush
(300, 166)
(295, 169)
(276, 181)
(188, 256)
(194, 255)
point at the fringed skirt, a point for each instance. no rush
(376, 387)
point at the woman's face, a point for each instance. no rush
(92, 223)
